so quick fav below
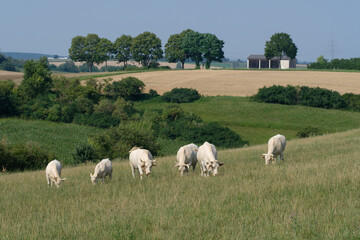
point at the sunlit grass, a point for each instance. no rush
(58, 138)
(313, 195)
(257, 122)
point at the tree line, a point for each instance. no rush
(346, 64)
(146, 49)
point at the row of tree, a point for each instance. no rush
(347, 64)
(146, 49)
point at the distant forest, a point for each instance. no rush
(27, 56)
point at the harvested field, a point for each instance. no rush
(16, 76)
(244, 83)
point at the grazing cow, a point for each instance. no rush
(276, 147)
(207, 157)
(142, 160)
(102, 169)
(53, 172)
(186, 157)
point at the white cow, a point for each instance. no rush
(142, 160)
(207, 157)
(276, 147)
(53, 172)
(186, 157)
(102, 169)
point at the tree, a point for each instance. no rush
(280, 44)
(174, 51)
(105, 49)
(212, 49)
(191, 45)
(146, 48)
(85, 49)
(37, 79)
(122, 49)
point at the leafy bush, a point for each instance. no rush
(320, 97)
(215, 134)
(129, 88)
(99, 120)
(37, 79)
(20, 157)
(117, 141)
(308, 132)
(181, 95)
(68, 66)
(8, 100)
(277, 94)
(352, 101)
(84, 153)
(153, 93)
(306, 96)
(85, 68)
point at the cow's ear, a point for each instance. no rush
(263, 156)
(220, 163)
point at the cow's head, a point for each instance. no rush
(148, 164)
(183, 168)
(58, 181)
(93, 178)
(268, 158)
(215, 169)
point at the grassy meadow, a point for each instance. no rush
(313, 195)
(257, 122)
(58, 138)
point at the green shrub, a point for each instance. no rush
(153, 93)
(68, 66)
(308, 132)
(129, 88)
(8, 100)
(352, 101)
(117, 141)
(99, 120)
(20, 157)
(181, 95)
(277, 94)
(84, 153)
(320, 97)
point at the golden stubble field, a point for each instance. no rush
(244, 83)
(230, 82)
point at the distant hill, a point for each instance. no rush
(27, 56)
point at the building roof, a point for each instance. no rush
(262, 57)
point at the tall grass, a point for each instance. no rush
(313, 195)
(58, 138)
(257, 122)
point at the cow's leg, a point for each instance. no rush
(110, 175)
(47, 179)
(201, 170)
(140, 171)
(282, 156)
(132, 170)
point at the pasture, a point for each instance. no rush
(313, 195)
(257, 122)
(59, 138)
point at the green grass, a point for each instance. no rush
(58, 138)
(257, 122)
(313, 195)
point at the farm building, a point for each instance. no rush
(260, 61)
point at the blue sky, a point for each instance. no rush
(317, 27)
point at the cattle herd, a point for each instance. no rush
(187, 156)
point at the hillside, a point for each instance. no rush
(58, 138)
(313, 195)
